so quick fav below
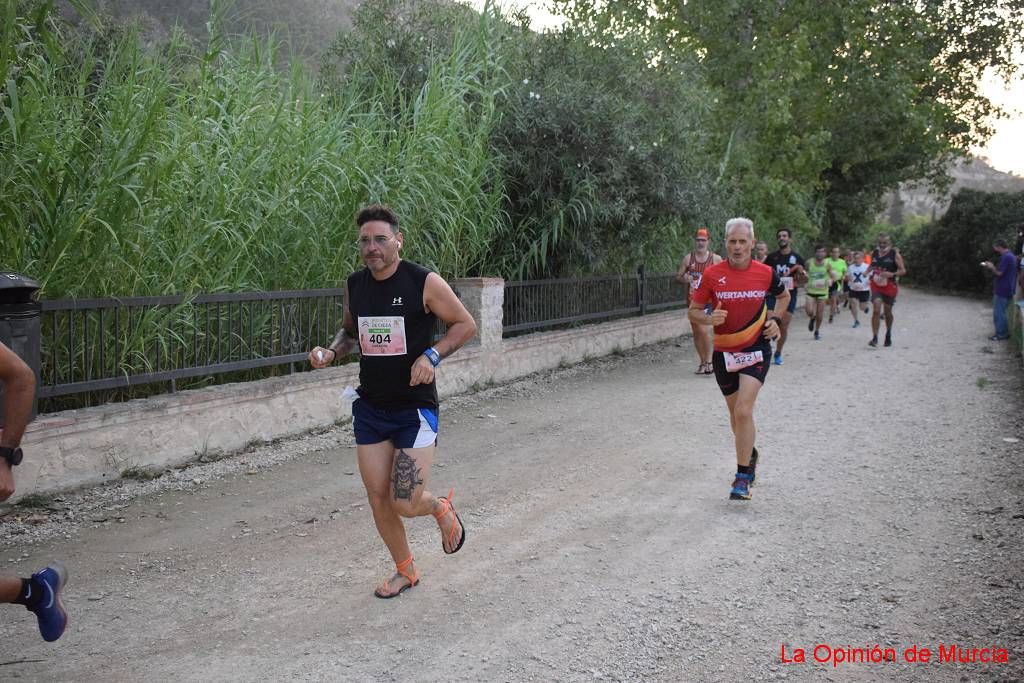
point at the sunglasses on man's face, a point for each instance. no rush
(379, 240)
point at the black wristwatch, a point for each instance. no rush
(11, 455)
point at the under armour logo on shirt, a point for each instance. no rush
(397, 301)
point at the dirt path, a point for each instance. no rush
(601, 545)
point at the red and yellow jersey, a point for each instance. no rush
(741, 293)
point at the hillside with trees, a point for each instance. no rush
(919, 200)
(306, 26)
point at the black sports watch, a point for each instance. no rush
(11, 455)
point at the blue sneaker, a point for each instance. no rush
(740, 487)
(817, 337)
(856, 324)
(778, 358)
(50, 612)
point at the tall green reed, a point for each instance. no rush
(129, 171)
(133, 171)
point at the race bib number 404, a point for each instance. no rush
(383, 336)
(735, 362)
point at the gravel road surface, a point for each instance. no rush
(888, 511)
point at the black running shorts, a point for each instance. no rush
(886, 299)
(729, 382)
(860, 296)
(770, 301)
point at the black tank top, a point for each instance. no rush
(887, 262)
(380, 310)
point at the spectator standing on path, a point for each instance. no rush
(789, 266)
(886, 268)
(41, 592)
(732, 298)
(390, 309)
(1020, 262)
(691, 269)
(1002, 288)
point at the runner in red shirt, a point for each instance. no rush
(731, 297)
(887, 268)
(690, 271)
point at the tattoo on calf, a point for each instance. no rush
(405, 476)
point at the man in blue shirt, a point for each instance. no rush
(1002, 288)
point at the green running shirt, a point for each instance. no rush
(817, 282)
(838, 268)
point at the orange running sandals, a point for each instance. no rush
(446, 508)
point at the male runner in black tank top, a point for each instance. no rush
(390, 309)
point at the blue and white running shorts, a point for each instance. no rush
(406, 428)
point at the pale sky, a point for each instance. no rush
(1004, 151)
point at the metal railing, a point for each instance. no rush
(119, 348)
(663, 293)
(105, 344)
(532, 305)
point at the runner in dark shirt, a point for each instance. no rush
(789, 266)
(390, 309)
(887, 268)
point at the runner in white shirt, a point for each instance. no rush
(860, 289)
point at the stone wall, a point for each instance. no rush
(92, 445)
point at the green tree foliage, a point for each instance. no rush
(605, 155)
(947, 253)
(602, 150)
(823, 108)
